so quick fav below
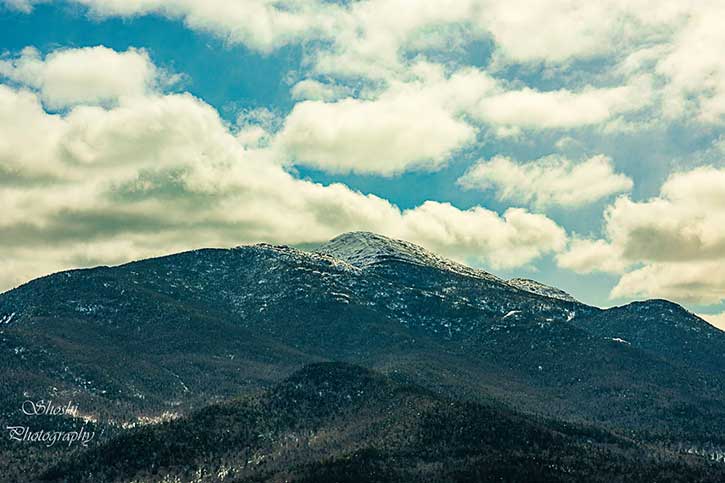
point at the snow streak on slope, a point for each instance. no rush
(540, 289)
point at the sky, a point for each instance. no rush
(581, 144)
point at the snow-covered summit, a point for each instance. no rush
(365, 249)
(540, 289)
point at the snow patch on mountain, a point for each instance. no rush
(364, 249)
(537, 288)
(510, 314)
(6, 319)
(619, 340)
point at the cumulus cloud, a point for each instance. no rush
(562, 108)
(362, 38)
(675, 42)
(366, 37)
(512, 239)
(577, 30)
(28, 138)
(420, 121)
(414, 123)
(89, 75)
(384, 136)
(263, 25)
(587, 256)
(684, 223)
(695, 67)
(700, 282)
(371, 38)
(549, 181)
(159, 173)
(678, 238)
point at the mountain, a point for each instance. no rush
(165, 337)
(337, 422)
(667, 330)
(256, 311)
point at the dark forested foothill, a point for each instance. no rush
(337, 422)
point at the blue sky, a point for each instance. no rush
(580, 146)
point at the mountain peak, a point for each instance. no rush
(364, 249)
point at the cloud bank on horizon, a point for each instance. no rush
(104, 158)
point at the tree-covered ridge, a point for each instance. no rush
(339, 422)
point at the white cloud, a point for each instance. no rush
(366, 38)
(313, 90)
(83, 76)
(510, 241)
(371, 36)
(29, 137)
(676, 42)
(162, 173)
(566, 30)
(363, 38)
(420, 121)
(686, 222)
(417, 122)
(549, 181)
(587, 256)
(402, 129)
(700, 282)
(695, 67)
(263, 25)
(562, 108)
(373, 32)
(678, 238)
